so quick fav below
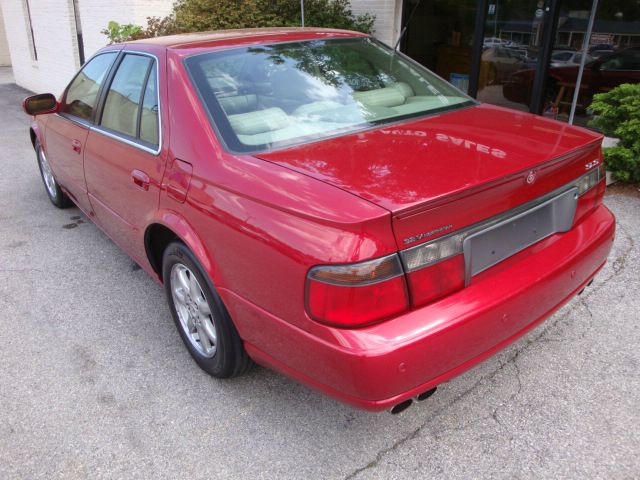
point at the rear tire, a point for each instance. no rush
(55, 194)
(200, 316)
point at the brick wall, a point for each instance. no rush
(55, 35)
(388, 17)
(95, 14)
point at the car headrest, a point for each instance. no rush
(260, 121)
(381, 97)
(238, 103)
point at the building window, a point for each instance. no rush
(32, 40)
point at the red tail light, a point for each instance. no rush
(357, 294)
(434, 269)
(435, 281)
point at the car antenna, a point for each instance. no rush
(404, 29)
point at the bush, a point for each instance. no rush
(202, 15)
(618, 115)
(122, 33)
(320, 13)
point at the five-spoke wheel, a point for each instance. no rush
(193, 310)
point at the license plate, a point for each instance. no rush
(487, 247)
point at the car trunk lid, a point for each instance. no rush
(441, 173)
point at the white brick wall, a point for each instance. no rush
(5, 58)
(96, 14)
(388, 17)
(55, 35)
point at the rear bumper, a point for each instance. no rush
(380, 366)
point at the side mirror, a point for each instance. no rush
(40, 104)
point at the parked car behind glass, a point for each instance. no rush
(568, 58)
(600, 75)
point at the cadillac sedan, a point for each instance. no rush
(318, 203)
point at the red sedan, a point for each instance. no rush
(320, 204)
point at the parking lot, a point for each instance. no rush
(95, 381)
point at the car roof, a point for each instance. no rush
(240, 36)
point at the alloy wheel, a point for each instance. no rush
(47, 175)
(193, 310)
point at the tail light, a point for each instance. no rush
(434, 269)
(357, 294)
(588, 181)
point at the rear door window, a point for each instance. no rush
(122, 104)
(149, 113)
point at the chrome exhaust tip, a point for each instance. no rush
(424, 395)
(401, 407)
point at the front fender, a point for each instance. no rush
(36, 133)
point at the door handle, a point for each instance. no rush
(76, 146)
(141, 179)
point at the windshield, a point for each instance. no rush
(270, 96)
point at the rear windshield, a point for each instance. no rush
(272, 96)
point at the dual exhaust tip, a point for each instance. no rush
(402, 406)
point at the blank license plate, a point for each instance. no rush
(497, 242)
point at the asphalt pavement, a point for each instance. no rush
(95, 381)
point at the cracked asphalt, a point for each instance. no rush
(95, 382)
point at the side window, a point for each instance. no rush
(149, 115)
(614, 63)
(626, 60)
(632, 60)
(82, 92)
(122, 105)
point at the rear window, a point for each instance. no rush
(271, 96)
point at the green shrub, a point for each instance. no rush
(203, 15)
(617, 114)
(121, 33)
(320, 13)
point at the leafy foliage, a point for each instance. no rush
(121, 33)
(618, 115)
(204, 15)
(320, 13)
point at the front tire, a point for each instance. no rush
(200, 316)
(55, 194)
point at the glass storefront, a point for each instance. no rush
(611, 58)
(511, 42)
(441, 34)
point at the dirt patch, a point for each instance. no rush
(625, 189)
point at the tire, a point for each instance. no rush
(200, 316)
(55, 194)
